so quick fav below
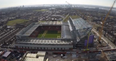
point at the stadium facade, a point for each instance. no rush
(54, 35)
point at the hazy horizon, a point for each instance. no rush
(14, 3)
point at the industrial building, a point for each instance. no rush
(39, 56)
(54, 35)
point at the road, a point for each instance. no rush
(105, 39)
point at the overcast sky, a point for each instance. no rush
(11, 3)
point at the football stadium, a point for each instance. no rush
(54, 35)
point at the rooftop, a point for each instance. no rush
(29, 29)
(43, 41)
(50, 22)
(28, 32)
(6, 54)
(33, 56)
(24, 30)
(41, 53)
(81, 24)
(66, 32)
(30, 55)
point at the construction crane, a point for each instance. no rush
(103, 56)
(66, 18)
(68, 3)
(75, 10)
(103, 22)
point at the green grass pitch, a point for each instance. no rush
(50, 34)
(17, 21)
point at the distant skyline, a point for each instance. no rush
(13, 3)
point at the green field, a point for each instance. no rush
(50, 34)
(41, 10)
(73, 17)
(17, 21)
(40, 34)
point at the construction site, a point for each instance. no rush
(61, 33)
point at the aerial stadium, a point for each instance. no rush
(55, 35)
